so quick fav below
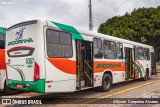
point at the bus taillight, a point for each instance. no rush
(36, 72)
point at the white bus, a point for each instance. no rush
(46, 56)
(3, 86)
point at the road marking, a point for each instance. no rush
(119, 92)
(25, 94)
(28, 94)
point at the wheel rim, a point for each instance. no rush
(106, 83)
(145, 77)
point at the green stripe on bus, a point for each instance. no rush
(139, 69)
(72, 30)
(38, 86)
(3, 31)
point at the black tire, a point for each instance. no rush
(145, 78)
(9, 91)
(106, 83)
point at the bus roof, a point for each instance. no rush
(113, 38)
(90, 33)
(108, 37)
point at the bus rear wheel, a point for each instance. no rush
(9, 91)
(106, 83)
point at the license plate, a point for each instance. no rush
(19, 86)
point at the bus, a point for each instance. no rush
(3, 86)
(45, 56)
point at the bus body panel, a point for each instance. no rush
(20, 42)
(58, 79)
(25, 57)
(60, 72)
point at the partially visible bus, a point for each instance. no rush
(46, 56)
(3, 85)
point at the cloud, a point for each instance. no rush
(72, 12)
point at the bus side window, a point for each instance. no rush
(59, 44)
(97, 48)
(146, 54)
(140, 52)
(2, 41)
(109, 49)
(120, 50)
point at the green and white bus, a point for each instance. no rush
(46, 56)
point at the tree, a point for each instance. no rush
(141, 25)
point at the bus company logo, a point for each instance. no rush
(19, 34)
(108, 65)
(19, 38)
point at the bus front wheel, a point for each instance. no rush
(145, 78)
(106, 83)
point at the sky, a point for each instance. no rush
(71, 12)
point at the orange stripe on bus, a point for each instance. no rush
(64, 64)
(2, 59)
(108, 65)
(69, 66)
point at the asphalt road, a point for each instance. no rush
(92, 97)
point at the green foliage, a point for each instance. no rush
(141, 25)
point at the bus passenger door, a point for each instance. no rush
(129, 72)
(84, 64)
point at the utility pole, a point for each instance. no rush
(90, 16)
